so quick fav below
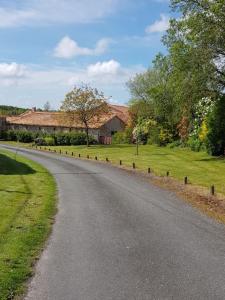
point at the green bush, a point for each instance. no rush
(49, 141)
(25, 136)
(159, 136)
(123, 137)
(44, 139)
(176, 143)
(11, 135)
(3, 135)
(79, 138)
(215, 141)
(194, 143)
(40, 141)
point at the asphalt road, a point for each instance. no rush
(118, 237)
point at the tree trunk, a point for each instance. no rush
(87, 135)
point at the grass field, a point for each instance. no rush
(27, 207)
(201, 169)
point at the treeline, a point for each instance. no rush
(181, 98)
(11, 110)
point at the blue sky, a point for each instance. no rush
(47, 47)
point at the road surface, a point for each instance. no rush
(117, 237)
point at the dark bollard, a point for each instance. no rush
(87, 156)
(134, 165)
(149, 170)
(79, 154)
(212, 190)
(60, 151)
(96, 158)
(107, 159)
(72, 153)
(120, 162)
(167, 173)
(185, 180)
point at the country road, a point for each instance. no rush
(118, 237)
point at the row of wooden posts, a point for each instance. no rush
(212, 188)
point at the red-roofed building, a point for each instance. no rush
(102, 128)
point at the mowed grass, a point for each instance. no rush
(201, 169)
(27, 207)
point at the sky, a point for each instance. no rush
(49, 46)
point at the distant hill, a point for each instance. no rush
(11, 110)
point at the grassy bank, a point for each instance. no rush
(201, 169)
(27, 207)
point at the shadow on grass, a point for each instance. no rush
(216, 158)
(10, 166)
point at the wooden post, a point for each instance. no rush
(96, 158)
(120, 162)
(72, 153)
(66, 152)
(60, 151)
(212, 190)
(79, 154)
(134, 165)
(185, 180)
(149, 170)
(107, 159)
(167, 173)
(87, 156)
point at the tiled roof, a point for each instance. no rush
(60, 119)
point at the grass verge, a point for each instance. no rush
(27, 208)
(200, 168)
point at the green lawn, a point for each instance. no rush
(201, 169)
(27, 208)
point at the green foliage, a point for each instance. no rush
(159, 136)
(182, 87)
(49, 141)
(44, 139)
(25, 136)
(194, 143)
(216, 129)
(11, 135)
(123, 137)
(11, 110)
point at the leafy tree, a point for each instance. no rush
(84, 104)
(216, 129)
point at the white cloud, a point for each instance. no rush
(39, 12)
(11, 73)
(159, 25)
(110, 67)
(68, 48)
(34, 85)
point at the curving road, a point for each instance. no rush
(117, 237)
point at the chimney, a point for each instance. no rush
(33, 109)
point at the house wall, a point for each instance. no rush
(112, 126)
(51, 129)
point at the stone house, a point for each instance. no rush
(102, 127)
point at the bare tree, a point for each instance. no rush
(47, 106)
(84, 104)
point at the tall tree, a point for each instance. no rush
(84, 104)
